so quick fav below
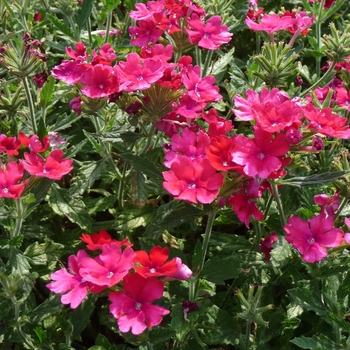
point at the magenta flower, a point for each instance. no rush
(137, 73)
(270, 23)
(54, 168)
(9, 178)
(200, 89)
(145, 33)
(262, 155)
(99, 81)
(71, 284)
(108, 268)
(10, 145)
(266, 245)
(193, 182)
(69, 71)
(133, 309)
(210, 35)
(312, 237)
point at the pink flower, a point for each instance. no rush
(260, 156)
(312, 237)
(145, 33)
(133, 309)
(108, 268)
(76, 104)
(73, 287)
(189, 144)
(69, 71)
(210, 35)
(137, 73)
(156, 263)
(200, 89)
(193, 183)
(54, 168)
(9, 178)
(270, 23)
(329, 206)
(33, 142)
(99, 81)
(325, 122)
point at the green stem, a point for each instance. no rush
(19, 219)
(343, 203)
(278, 202)
(248, 330)
(207, 234)
(318, 37)
(318, 82)
(121, 185)
(149, 139)
(194, 281)
(22, 335)
(208, 60)
(88, 25)
(108, 25)
(30, 104)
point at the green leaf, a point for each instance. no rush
(101, 340)
(314, 179)
(221, 64)
(281, 253)
(95, 205)
(64, 121)
(308, 299)
(73, 208)
(87, 174)
(160, 335)
(225, 243)
(218, 269)
(144, 165)
(41, 334)
(111, 4)
(80, 317)
(50, 306)
(60, 25)
(41, 253)
(84, 13)
(19, 263)
(46, 92)
(93, 142)
(178, 322)
(132, 219)
(171, 215)
(321, 342)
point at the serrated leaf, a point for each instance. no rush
(19, 263)
(308, 300)
(111, 4)
(281, 253)
(225, 243)
(60, 25)
(80, 317)
(144, 165)
(321, 342)
(218, 269)
(87, 174)
(160, 335)
(316, 179)
(95, 205)
(171, 215)
(73, 208)
(64, 121)
(93, 142)
(101, 340)
(221, 64)
(47, 308)
(41, 253)
(132, 219)
(84, 13)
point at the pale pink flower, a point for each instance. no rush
(270, 23)
(71, 284)
(312, 237)
(133, 309)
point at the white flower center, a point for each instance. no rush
(5, 190)
(138, 306)
(110, 274)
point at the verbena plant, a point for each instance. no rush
(174, 174)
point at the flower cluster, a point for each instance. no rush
(38, 162)
(133, 279)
